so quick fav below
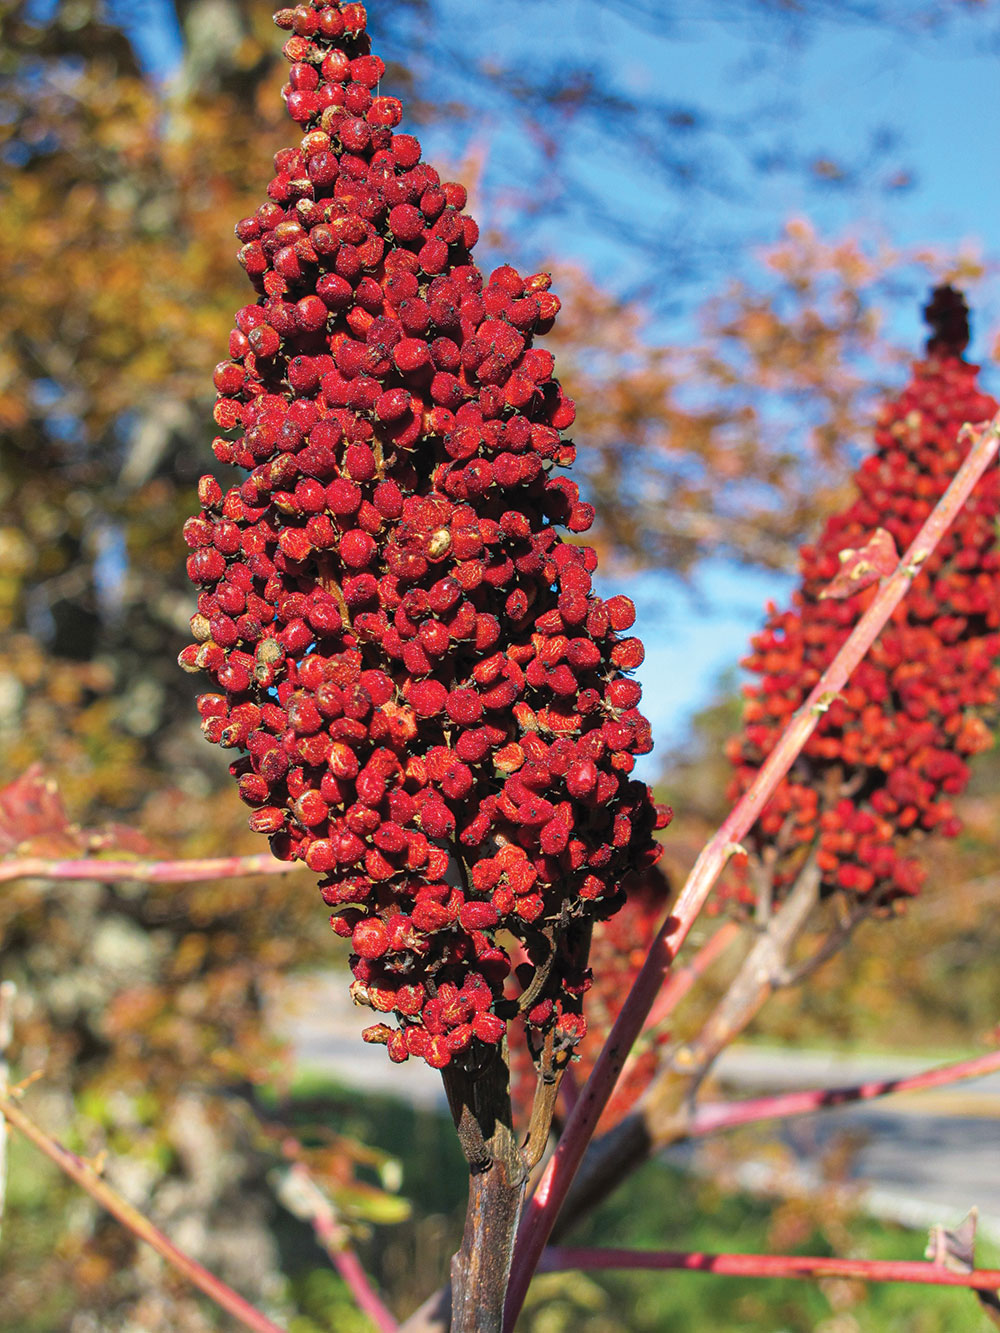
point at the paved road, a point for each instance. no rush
(919, 1157)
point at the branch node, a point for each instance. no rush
(822, 704)
(18, 1090)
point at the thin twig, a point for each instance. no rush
(541, 1211)
(684, 977)
(303, 1197)
(8, 994)
(759, 975)
(549, 1077)
(831, 945)
(771, 1265)
(148, 872)
(678, 985)
(140, 1225)
(713, 1116)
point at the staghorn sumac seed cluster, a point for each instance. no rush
(891, 751)
(429, 704)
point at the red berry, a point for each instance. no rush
(369, 938)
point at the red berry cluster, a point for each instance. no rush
(431, 704)
(891, 751)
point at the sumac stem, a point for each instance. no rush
(480, 1106)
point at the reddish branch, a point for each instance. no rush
(714, 1116)
(88, 1178)
(543, 1208)
(633, 1078)
(148, 872)
(302, 1196)
(8, 993)
(348, 1265)
(771, 1265)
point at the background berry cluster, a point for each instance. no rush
(890, 752)
(430, 704)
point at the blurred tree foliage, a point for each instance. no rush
(144, 1005)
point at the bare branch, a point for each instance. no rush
(713, 1116)
(140, 1225)
(666, 1111)
(8, 994)
(772, 1265)
(680, 983)
(832, 944)
(684, 978)
(479, 1101)
(147, 872)
(760, 974)
(304, 1199)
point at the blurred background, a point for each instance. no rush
(744, 203)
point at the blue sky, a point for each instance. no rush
(843, 84)
(931, 94)
(928, 95)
